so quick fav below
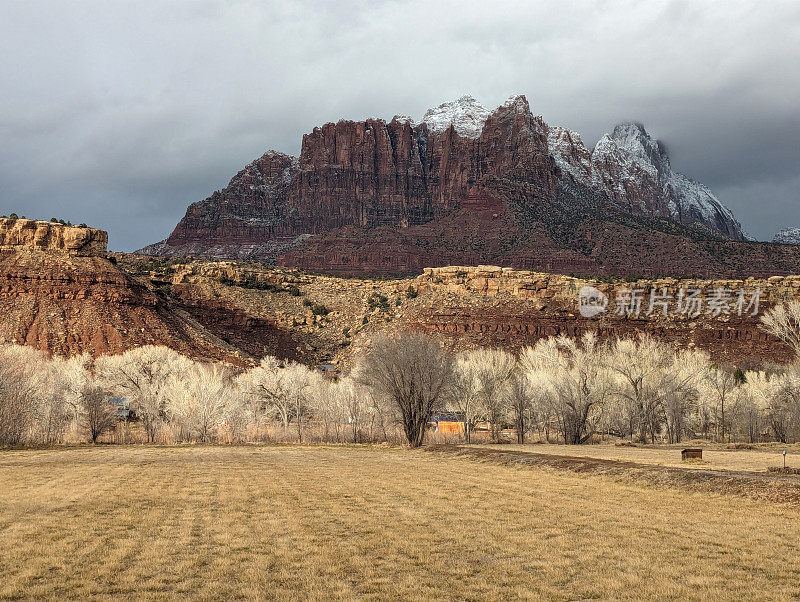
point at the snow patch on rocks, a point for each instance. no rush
(788, 236)
(405, 119)
(518, 103)
(629, 155)
(570, 154)
(466, 115)
(697, 202)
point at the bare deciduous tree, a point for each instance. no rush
(97, 416)
(143, 376)
(22, 378)
(493, 370)
(73, 375)
(783, 321)
(782, 410)
(298, 379)
(720, 387)
(655, 385)
(280, 387)
(414, 372)
(354, 400)
(464, 393)
(520, 401)
(747, 415)
(577, 380)
(198, 401)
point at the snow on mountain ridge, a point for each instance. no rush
(631, 166)
(788, 236)
(634, 171)
(466, 115)
(689, 200)
(570, 154)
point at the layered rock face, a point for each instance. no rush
(236, 312)
(50, 236)
(464, 185)
(482, 305)
(59, 293)
(489, 305)
(367, 174)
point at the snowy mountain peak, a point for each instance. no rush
(633, 168)
(788, 236)
(633, 138)
(518, 102)
(630, 129)
(466, 115)
(570, 154)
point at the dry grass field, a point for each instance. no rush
(359, 522)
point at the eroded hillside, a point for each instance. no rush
(324, 318)
(60, 293)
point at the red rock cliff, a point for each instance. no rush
(59, 293)
(365, 174)
(471, 186)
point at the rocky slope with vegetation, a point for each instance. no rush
(325, 318)
(62, 293)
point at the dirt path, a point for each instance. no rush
(762, 486)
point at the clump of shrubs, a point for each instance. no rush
(379, 301)
(54, 220)
(319, 309)
(251, 283)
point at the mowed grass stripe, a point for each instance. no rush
(360, 522)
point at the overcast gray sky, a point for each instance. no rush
(120, 114)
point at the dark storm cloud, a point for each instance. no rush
(120, 114)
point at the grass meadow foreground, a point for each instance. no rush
(370, 522)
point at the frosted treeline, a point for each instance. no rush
(558, 390)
